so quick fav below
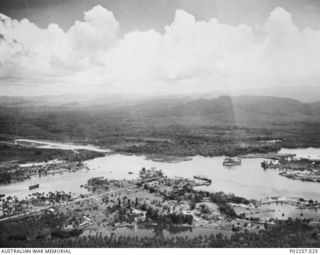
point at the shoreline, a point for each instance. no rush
(160, 156)
(89, 212)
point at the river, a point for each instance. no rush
(248, 179)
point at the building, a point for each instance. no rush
(152, 184)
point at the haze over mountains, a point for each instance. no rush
(240, 109)
(172, 110)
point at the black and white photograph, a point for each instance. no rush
(159, 124)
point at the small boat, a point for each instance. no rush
(202, 178)
(229, 161)
(35, 186)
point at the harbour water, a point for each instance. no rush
(248, 179)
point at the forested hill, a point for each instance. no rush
(175, 126)
(224, 110)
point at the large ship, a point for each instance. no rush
(229, 161)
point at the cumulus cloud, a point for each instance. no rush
(190, 55)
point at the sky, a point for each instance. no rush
(160, 47)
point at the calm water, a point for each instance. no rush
(248, 180)
(312, 153)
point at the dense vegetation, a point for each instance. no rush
(6, 176)
(20, 154)
(168, 219)
(220, 198)
(13, 155)
(46, 230)
(30, 228)
(286, 234)
(173, 127)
